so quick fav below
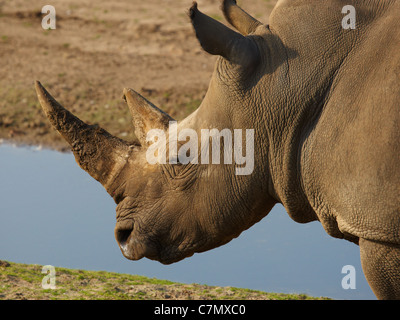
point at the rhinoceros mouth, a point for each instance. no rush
(133, 245)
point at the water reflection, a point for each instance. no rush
(52, 212)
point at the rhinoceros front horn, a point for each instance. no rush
(96, 151)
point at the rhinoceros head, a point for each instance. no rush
(169, 211)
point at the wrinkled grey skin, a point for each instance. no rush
(324, 104)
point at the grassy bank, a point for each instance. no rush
(22, 281)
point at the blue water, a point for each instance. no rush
(54, 213)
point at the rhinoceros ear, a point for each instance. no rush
(145, 115)
(218, 39)
(237, 17)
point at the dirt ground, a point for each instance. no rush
(97, 49)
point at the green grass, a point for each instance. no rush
(23, 281)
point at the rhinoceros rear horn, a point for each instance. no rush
(145, 115)
(237, 17)
(218, 39)
(96, 151)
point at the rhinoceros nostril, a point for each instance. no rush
(122, 236)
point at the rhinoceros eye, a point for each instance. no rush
(118, 198)
(119, 194)
(181, 176)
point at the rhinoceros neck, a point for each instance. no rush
(316, 47)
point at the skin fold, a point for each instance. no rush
(323, 102)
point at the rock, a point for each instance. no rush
(117, 289)
(4, 264)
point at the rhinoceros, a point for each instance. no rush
(323, 102)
